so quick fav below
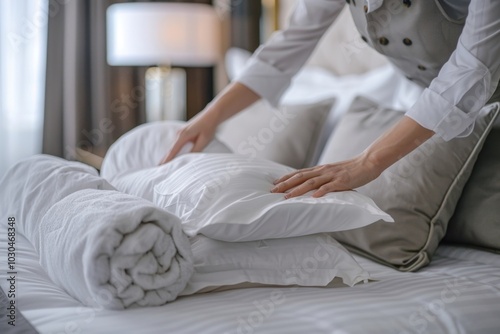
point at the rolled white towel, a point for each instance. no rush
(30, 187)
(104, 247)
(114, 250)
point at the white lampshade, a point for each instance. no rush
(144, 34)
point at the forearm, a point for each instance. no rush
(403, 138)
(271, 68)
(396, 143)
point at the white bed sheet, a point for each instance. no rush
(458, 293)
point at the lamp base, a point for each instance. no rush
(165, 94)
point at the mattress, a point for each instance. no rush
(458, 293)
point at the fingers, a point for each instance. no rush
(182, 140)
(178, 145)
(287, 176)
(323, 179)
(325, 189)
(295, 179)
(308, 185)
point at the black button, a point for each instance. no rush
(364, 39)
(383, 41)
(407, 41)
(348, 1)
(422, 67)
(365, 8)
(407, 3)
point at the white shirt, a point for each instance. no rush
(448, 106)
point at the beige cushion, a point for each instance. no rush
(420, 191)
(287, 135)
(476, 220)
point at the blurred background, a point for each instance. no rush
(77, 74)
(58, 92)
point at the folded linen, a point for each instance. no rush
(114, 250)
(103, 247)
(30, 187)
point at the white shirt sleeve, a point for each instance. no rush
(273, 65)
(468, 80)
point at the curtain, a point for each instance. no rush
(88, 104)
(23, 33)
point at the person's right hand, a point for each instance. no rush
(200, 131)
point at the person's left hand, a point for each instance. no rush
(397, 142)
(345, 175)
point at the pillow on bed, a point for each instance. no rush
(287, 135)
(143, 147)
(420, 191)
(227, 197)
(476, 220)
(313, 260)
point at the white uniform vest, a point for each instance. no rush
(417, 36)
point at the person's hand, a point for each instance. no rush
(345, 175)
(200, 130)
(397, 142)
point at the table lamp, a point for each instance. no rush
(163, 35)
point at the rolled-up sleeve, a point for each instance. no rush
(450, 105)
(272, 67)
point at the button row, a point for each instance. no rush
(406, 41)
(384, 40)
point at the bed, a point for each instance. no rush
(441, 287)
(458, 293)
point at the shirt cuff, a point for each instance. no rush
(435, 113)
(265, 80)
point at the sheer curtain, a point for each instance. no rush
(23, 39)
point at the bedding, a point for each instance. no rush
(113, 250)
(429, 182)
(224, 195)
(459, 292)
(476, 220)
(312, 260)
(105, 248)
(227, 197)
(27, 188)
(145, 146)
(131, 164)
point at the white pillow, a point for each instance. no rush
(313, 260)
(131, 163)
(227, 197)
(287, 134)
